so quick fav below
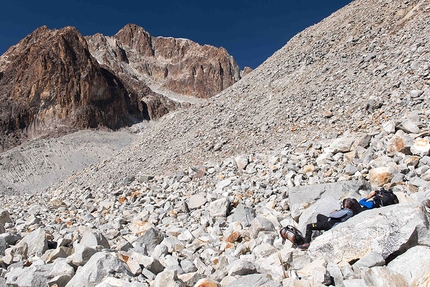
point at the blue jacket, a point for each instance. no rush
(365, 203)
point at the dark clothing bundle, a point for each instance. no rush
(325, 223)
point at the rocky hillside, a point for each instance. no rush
(198, 199)
(218, 224)
(52, 84)
(371, 67)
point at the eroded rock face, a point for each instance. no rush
(178, 65)
(51, 84)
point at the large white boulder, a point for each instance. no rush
(384, 230)
(413, 265)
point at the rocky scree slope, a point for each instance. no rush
(240, 171)
(34, 166)
(218, 224)
(364, 65)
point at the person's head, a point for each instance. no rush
(352, 204)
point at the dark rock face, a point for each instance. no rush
(177, 65)
(54, 81)
(51, 84)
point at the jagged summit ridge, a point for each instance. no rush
(177, 65)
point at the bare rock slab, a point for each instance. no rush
(386, 231)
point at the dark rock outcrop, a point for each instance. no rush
(51, 84)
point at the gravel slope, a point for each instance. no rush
(36, 165)
(362, 66)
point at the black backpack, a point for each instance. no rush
(292, 234)
(384, 197)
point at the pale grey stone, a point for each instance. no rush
(426, 175)
(99, 267)
(253, 280)
(413, 264)
(354, 283)
(93, 239)
(59, 280)
(335, 272)
(342, 144)
(298, 195)
(389, 127)
(383, 276)
(167, 278)
(219, 207)
(25, 277)
(82, 254)
(264, 250)
(149, 263)
(52, 254)
(150, 239)
(243, 214)
(350, 169)
(241, 267)
(300, 260)
(196, 201)
(241, 161)
(188, 266)
(148, 274)
(36, 242)
(409, 127)
(370, 260)
(61, 266)
(419, 182)
(222, 184)
(272, 266)
(260, 224)
(115, 282)
(383, 230)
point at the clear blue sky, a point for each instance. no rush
(250, 30)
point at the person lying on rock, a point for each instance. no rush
(350, 207)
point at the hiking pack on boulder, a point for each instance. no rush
(384, 197)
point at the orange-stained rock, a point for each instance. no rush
(206, 282)
(234, 237)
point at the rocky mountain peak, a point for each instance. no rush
(51, 84)
(168, 65)
(56, 81)
(136, 38)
